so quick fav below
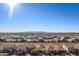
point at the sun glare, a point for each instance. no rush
(12, 4)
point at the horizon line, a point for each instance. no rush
(36, 32)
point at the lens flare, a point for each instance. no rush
(12, 4)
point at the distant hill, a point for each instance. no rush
(39, 32)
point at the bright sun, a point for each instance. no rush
(12, 4)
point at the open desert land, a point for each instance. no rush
(39, 43)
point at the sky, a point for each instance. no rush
(47, 17)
